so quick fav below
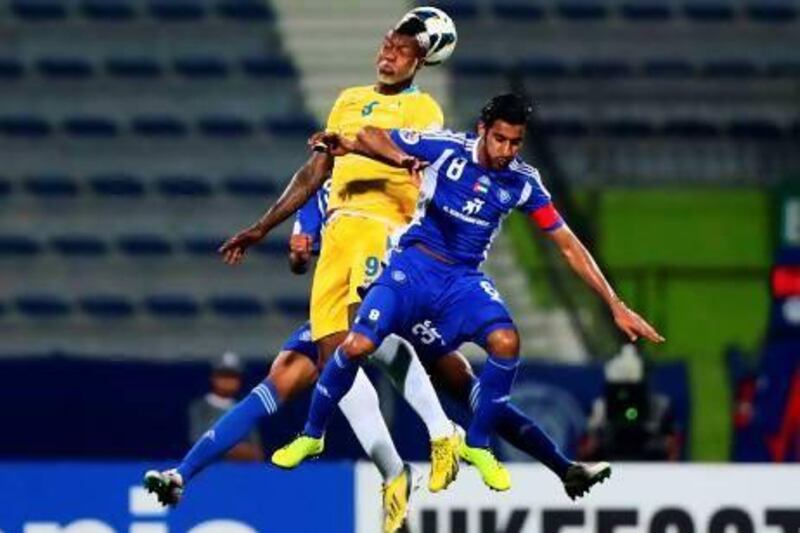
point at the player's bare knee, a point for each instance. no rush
(503, 343)
(357, 346)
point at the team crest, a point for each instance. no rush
(504, 196)
(399, 276)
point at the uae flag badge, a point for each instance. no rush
(482, 185)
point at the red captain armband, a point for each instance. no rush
(547, 218)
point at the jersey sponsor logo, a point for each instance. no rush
(473, 207)
(409, 136)
(367, 109)
(465, 218)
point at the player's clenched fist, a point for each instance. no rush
(299, 252)
(233, 249)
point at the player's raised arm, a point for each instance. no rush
(303, 184)
(374, 143)
(584, 264)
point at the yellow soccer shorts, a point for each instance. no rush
(353, 247)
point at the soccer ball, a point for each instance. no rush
(439, 37)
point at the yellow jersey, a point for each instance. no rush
(365, 186)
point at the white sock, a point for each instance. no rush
(362, 410)
(415, 385)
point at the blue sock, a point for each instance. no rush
(234, 425)
(336, 379)
(496, 379)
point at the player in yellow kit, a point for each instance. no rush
(368, 202)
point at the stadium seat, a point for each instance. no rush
(30, 126)
(201, 67)
(158, 126)
(172, 306)
(784, 69)
(582, 10)
(668, 68)
(605, 69)
(51, 186)
(90, 126)
(245, 10)
(299, 125)
(133, 67)
(75, 68)
(771, 12)
(730, 68)
(5, 187)
(564, 127)
(106, 306)
(144, 245)
(79, 245)
(236, 306)
(39, 10)
(176, 10)
(250, 185)
(184, 186)
(543, 67)
(690, 129)
(107, 10)
(259, 67)
(18, 245)
(628, 128)
(643, 11)
(518, 10)
(708, 11)
(755, 129)
(42, 305)
(203, 244)
(292, 306)
(117, 185)
(225, 126)
(477, 67)
(11, 69)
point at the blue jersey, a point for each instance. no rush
(311, 217)
(462, 204)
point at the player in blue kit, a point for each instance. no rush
(470, 184)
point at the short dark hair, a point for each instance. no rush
(512, 108)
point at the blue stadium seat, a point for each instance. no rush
(267, 66)
(225, 126)
(172, 306)
(272, 247)
(133, 67)
(730, 68)
(564, 127)
(107, 10)
(39, 10)
(458, 9)
(75, 68)
(709, 11)
(300, 125)
(5, 187)
(784, 69)
(184, 186)
(292, 306)
(582, 10)
(42, 305)
(647, 11)
(518, 10)
(30, 126)
(543, 67)
(106, 306)
(604, 69)
(203, 244)
(245, 10)
(79, 245)
(144, 245)
(90, 126)
(117, 185)
(159, 126)
(477, 67)
(18, 245)
(668, 68)
(250, 185)
(236, 306)
(755, 129)
(690, 129)
(201, 67)
(771, 12)
(11, 69)
(51, 186)
(176, 10)
(628, 128)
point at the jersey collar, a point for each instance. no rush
(474, 150)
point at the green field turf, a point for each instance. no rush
(641, 231)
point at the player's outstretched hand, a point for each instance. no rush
(415, 167)
(234, 248)
(633, 325)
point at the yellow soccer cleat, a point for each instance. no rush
(494, 474)
(444, 461)
(395, 500)
(297, 451)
